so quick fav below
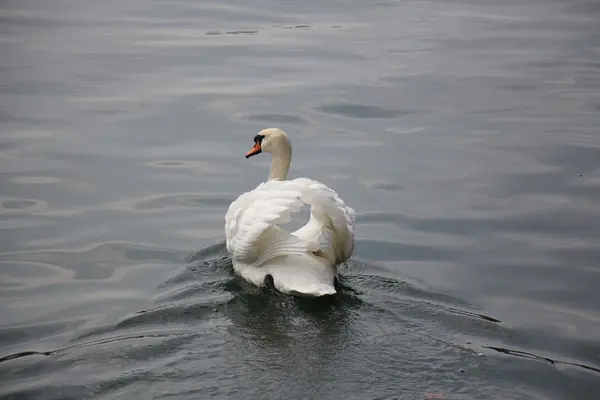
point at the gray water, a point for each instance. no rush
(464, 133)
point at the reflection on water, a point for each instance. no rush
(463, 133)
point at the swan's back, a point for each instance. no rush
(254, 236)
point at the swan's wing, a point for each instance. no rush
(254, 237)
(251, 224)
(332, 222)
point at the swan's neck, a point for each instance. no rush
(280, 164)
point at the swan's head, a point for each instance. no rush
(272, 140)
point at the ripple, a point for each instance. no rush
(213, 168)
(25, 269)
(153, 345)
(16, 205)
(36, 180)
(524, 354)
(285, 119)
(347, 110)
(202, 318)
(176, 316)
(549, 223)
(32, 134)
(379, 250)
(406, 130)
(106, 261)
(253, 32)
(241, 32)
(162, 203)
(8, 146)
(575, 158)
(30, 333)
(164, 86)
(385, 185)
(171, 164)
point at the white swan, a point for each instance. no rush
(303, 262)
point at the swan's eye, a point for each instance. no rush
(258, 139)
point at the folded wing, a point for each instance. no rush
(252, 223)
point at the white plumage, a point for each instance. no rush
(303, 262)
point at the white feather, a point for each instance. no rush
(259, 247)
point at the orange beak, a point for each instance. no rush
(254, 151)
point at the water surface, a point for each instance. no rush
(464, 133)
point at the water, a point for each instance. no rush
(464, 133)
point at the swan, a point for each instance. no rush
(303, 262)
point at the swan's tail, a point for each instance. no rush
(301, 275)
(313, 290)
